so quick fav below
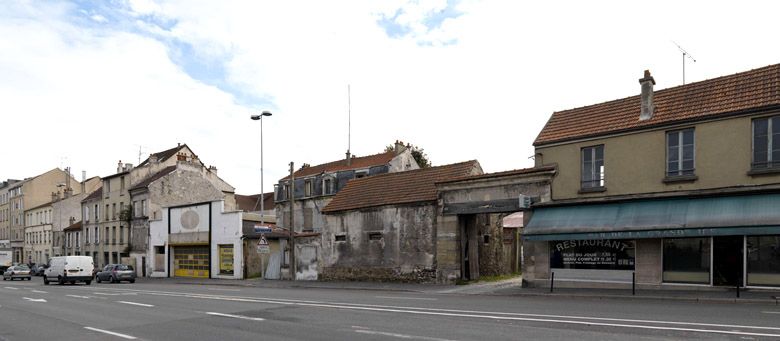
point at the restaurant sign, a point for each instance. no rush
(604, 254)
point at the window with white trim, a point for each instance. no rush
(593, 167)
(680, 155)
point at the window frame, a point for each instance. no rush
(770, 164)
(680, 172)
(601, 179)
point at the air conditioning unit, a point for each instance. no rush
(524, 201)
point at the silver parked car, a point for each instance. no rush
(17, 271)
(116, 273)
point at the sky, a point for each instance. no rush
(85, 84)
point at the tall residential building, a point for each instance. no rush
(33, 192)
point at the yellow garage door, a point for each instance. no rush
(191, 261)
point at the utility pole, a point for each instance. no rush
(292, 221)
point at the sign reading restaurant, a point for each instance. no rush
(604, 254)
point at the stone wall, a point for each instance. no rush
(392, 243)
(648, 261)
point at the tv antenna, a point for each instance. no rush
(685, 54)
(349, 118)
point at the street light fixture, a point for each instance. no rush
(262, 193)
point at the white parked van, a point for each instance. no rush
(70, 269)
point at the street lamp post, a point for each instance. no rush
(262, 193)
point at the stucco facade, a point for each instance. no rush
(635, 163)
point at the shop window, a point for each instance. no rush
(763, 263)
(686, 260)
(226, 259)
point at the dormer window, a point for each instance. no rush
(361, 174)
(308, 188)
(327, 186)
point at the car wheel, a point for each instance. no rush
(72, 282)
(45, 280)
(60, 281)
(88, 282)
(97, 279)
(132, 281)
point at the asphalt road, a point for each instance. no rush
(165, 310)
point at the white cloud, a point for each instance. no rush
(485, 97)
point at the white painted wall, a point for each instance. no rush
(226, 229)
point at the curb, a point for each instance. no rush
(656, 298)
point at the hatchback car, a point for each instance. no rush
(17, 271)
(116, 273)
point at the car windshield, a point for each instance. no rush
(124, 267)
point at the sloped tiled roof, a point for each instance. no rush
(356, 163)
(97, 194)
(501, 174)
(732, 94)
(398, 188)
(249, 203)
(74, 227)
(165, 154)
(145, 182)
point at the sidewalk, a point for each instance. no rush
(510, 287)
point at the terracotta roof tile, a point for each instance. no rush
(357, 163)
(75, 227)
(754, 89)
(398, 188)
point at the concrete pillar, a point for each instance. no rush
(648, 261)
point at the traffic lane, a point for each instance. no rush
(614, 325)
(642, 310)
(24, 324)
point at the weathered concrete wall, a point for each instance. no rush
(448, 249)
(307, 252)
(181, 187)
(305, 209)
(497, 190)
(493, 260)
(392, 243)
(536, 260)
(648, 262)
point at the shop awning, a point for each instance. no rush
(686, 217)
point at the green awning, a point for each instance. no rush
(661, 218)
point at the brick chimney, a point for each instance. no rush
(349, 158)
(399, 147)
(648, 108)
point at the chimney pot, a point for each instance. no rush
(349, 158)
(647, 106)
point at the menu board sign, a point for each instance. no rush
(602, 254)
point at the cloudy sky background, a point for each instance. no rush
(86, 84)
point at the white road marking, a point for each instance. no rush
(34, 299)
(39, 292)
(220, 289)
(124, 336)
(484, 314)
(771, 312)
(12, 288)
(77, 296)
(236, 316)
(138, 304)
(106, 294)
(400, 336)
(407, 298)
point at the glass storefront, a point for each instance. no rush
(763, 262)
(686, 260)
